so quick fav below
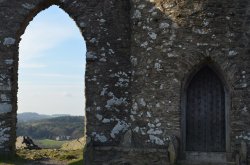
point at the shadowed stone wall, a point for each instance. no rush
(140, 56)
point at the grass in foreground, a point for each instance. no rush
(12, 161)
(53, 154)
(25, 157)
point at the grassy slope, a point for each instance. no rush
(27, 157)
(13, 161)
(49, 144)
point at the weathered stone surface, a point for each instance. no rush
(141, 54)
(127, 139)
(173, 150)
(75, 144)
(24, 142)
(129, 156)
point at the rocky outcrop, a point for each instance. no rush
(75, 144)
(25, 142)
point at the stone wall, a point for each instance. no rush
(170, 41)
(140, 56)
(105, 26)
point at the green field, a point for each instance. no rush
(49, 144)
(51, 151)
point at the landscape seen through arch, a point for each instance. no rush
(51, 89)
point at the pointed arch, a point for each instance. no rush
(33, 11)
(204, 72)
(108, 54)
(39, 8)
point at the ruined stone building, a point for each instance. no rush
(165, 79)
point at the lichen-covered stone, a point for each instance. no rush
(140, 56)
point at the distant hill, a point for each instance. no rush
(62, 128)
(32, 116)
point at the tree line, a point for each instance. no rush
(70, 126)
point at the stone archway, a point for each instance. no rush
(107, 47)
(205, 115)
(131, 46)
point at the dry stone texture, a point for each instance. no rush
(140, 56)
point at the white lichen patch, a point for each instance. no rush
(82, 24)
(136, 129)
(4, 98)
(120, 127)
(152, 35)
(28, 6)
(99, 137)
(5, 108)
(243, 136)
(105, 120)
(9, 61)
(9, 41)
(142, 102)
(4, 136)
(158, 66)
(158, 105)
(141, 6)
(132, 117)
(154, 131)
(88, 109)
(102, 20)
(4, 87)
(149, 114)
(158, 124)
(244, 109)
(103, 59)
(205, 22)
(92, 40)
(164, 25)
(98, 108)
(123, 79)
(137, 14)
(104, 91)
(133, 60)
(111, 51)
(114, 101)
(154, 14)
(91, 55)
(144, 44)
(151, 125)
(232, 53)
(140, 130)
(122, 82)
(99, 117)
(153, 8)
(155, 140)
(200, 31)
(202, 44)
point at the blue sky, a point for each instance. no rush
(52, 65)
